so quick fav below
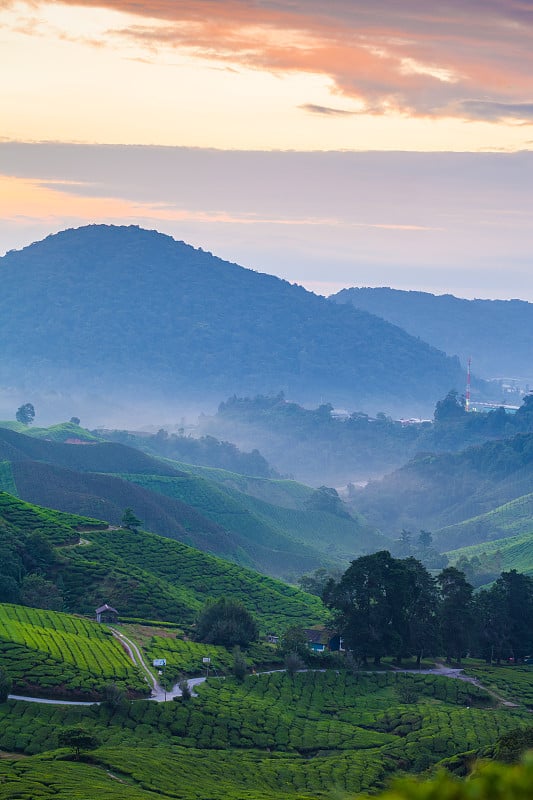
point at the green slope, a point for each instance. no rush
(47, 653)
(437, 491)
(148, 576)
(89, 480)
(515, 552)
(284, 530)
(510, 519)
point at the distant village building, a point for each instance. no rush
(320, 640)
(272, 638)
(106, 614)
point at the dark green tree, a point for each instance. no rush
(294, 640)
(326, 499)
(425, 539)
(25, 414)
(185, 689)
(227, 622)
(114, 696)
(77, 738)
(6, 685)
(456, 613)
(514, 591)
(492, 624)
(370, 604)
(451, 408)
(130, 521)
(239, 667)
(422, 611)
(293, 663)
(38, 592)
(315, 583)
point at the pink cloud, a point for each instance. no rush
(472, 60)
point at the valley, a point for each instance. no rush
(319, 598)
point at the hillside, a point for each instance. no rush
(154, 319)
(436, 491)
(511, 521)
(497, 334)
(94, 480)
(515, 552)
(140, 574)
(339, 539)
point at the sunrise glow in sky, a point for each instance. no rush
(334, 144)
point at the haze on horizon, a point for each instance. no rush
(357, 144)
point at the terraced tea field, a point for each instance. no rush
(513, 682)
(274, 736)
(53, 654)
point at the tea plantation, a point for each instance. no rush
(47, 653)
(313, 735)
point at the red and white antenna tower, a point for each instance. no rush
(468, 382)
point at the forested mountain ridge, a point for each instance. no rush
(124, 309)
(497, 334)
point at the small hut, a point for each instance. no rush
(106, 614)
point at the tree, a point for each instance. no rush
(456, 613)
(326, 499)
(185, 689)
(130, 521)
(5, 685)
(25, 414)
(422, 611)
(239, 667)
(371, 602)
(513, 594)
(114, 696)
(293, 663)
(315, 583)
(385, 606)
(294, 640)
(425, 539)
(75, 420)
(77, 738)
(38, 592)
(227, 622)
(451, 408)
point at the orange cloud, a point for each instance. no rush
(471, 60)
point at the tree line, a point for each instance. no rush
(385, 606)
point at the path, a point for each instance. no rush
(159, 693)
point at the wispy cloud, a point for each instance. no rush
(473, 60)
(327, 111)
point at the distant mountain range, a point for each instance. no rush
(124, 314)
(497, 334)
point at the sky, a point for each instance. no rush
(333, 144)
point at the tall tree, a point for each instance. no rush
(456, 613)
(25, 414)
(376, 602)
(227, 622)
(422, 611)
